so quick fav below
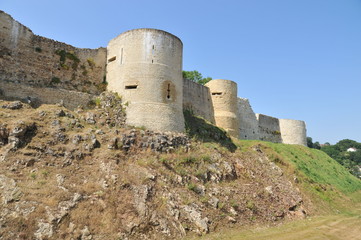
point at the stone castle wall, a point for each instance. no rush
(42, 95)
(248, 122)
(40, 62)
(197, 99)
(145, 67)
(293, 131)
(269, 128)
(224, 99)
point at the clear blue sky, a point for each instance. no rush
(292, 59)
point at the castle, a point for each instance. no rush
(145, 67)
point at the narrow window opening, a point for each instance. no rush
(168, 91)
(112, 59)
(121, 56)
(216, 93)
(131, 87)
(152, 60)
(153, 46)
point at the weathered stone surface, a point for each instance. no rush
(8, 189)
(196, 217)
(13, 105)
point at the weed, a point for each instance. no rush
(42, 182)
(91, 63)
(33, 176)
(251, 206)
(68, 55)
(97, 102)
(55, 80)
(45, 173)
(192, 187)
(188, 160)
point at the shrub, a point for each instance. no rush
(55, 80)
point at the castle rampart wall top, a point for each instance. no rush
(224, 99)
(37, 61)
(197, 99)
(145, 67)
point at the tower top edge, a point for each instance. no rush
(154, 30)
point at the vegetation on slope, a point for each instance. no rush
(350, 160)
(83, 175)
(325, 181)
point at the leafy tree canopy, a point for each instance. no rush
(196, 76)
(350, 160)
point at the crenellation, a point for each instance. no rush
(145, 67)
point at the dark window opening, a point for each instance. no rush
(152, 60)
(216, 93)
(112, 59)
(131, 87)
(168, 91)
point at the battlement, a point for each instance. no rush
(145, 67)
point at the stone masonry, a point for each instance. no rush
(144, 66)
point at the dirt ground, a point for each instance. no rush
(335, 227)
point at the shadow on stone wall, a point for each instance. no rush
(203, 131)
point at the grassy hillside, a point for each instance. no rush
(83, 174)
(322, 178)
(331, 193)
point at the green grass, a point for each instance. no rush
(327, 183)
(317, 167)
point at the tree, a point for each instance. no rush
(309, 142)
(196, 76)
(316, 145)
(350, 160)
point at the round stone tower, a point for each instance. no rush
(145, 68)
(224, 98)
(293, 131)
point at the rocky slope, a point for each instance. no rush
(83, 174)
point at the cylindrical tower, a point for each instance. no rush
(224, 98)
(293, 131)
(145, 68)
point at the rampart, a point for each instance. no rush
(269, 128)
(248, 122)
(197, 99)
(145, 67)
(42, 95)
(40, 62)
